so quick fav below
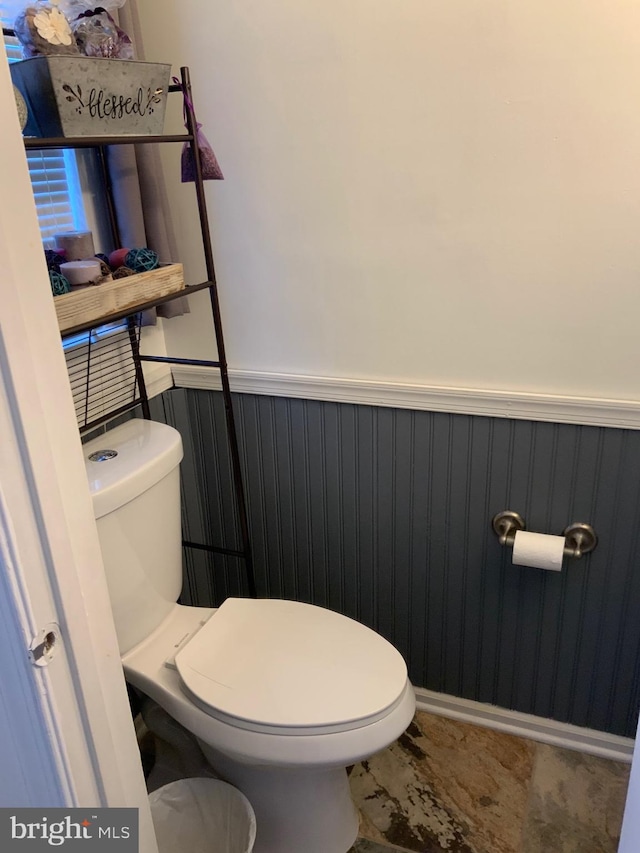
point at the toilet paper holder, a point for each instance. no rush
(580, 538)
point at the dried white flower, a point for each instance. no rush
(52, 25)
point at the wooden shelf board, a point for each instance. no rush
(114, 316)
(38, 143)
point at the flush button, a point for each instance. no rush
(102, 455)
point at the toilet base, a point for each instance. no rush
(296, 810)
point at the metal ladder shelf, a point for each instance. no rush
(140, 397)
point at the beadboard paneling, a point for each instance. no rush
(384, 514)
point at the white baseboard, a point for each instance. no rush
(468, 401)
(528, 726)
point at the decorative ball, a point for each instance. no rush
(59, 284)
(123, 272)
(105, 269)
(104, 258)
(142, 260)
(116, 259)
(53, 259)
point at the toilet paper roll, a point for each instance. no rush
(538, 550)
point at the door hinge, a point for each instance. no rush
(45, 644)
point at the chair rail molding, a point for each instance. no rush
(521, 405)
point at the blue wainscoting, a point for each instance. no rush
(384, 515)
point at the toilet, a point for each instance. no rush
(281, 695)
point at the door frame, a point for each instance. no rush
(50, 557)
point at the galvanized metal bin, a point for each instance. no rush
(84, 96)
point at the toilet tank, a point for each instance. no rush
(133, 473)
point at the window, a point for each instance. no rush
(54, 174)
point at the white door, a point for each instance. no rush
(66, 734)
(630, 838)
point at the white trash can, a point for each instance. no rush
(202, 816)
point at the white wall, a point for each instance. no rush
(440, 192)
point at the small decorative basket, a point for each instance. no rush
(94, 303)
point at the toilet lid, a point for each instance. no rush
(274, 663)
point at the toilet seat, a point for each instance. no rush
(148, 668)
(286, 667)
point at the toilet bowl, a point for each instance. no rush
(293, 775)
(281, 695)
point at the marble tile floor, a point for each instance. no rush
(451, 786)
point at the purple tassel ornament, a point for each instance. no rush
(211, 170)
